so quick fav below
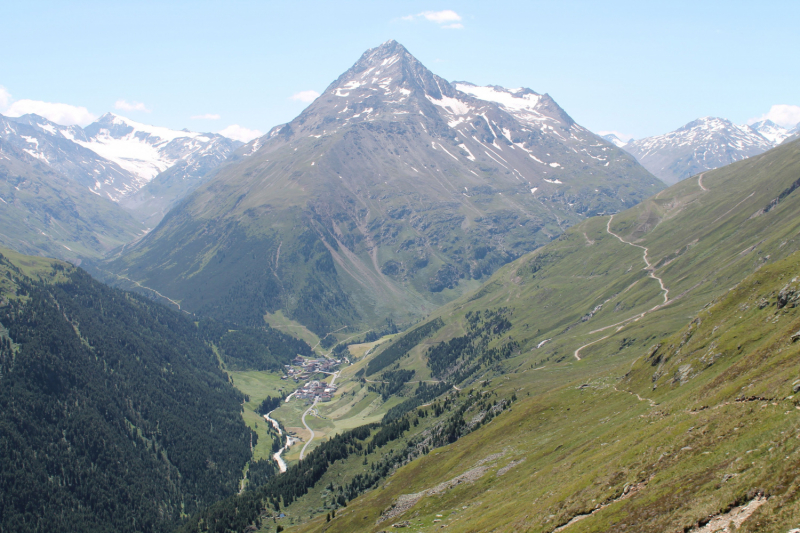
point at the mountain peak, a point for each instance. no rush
(384, 69)
(700, 145)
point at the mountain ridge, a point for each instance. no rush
(406, 189)
(703, 144)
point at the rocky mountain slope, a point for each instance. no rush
(43, 212)
(392, 193)
(54, 146)
(704, 144)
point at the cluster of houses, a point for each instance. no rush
(309, 367)
(316, 389)
(303, 368)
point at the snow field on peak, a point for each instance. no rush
(140, 154)
(526, 102)
(134, 155)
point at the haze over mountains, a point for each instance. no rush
(420, 304)
(703, 144)
(392, 193)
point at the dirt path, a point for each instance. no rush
(147, 288)
(649, 267)
(627, 492)
(735, 517)
(326, 335)
(650, 273)
(700, 181)
(407, 382)
(578, 351)
(652, 403)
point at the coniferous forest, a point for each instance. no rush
(114, 413)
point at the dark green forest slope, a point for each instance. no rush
(114, 413)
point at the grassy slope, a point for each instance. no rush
(44, 213)
(582, 446)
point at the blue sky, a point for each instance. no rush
(640, 68)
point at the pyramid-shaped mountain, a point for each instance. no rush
(394, 192)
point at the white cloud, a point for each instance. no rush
(441, 17)
(305, 96)
(447, 19)
(130, 106)
(63, 114)
(5, 98)
(238, 133)
(784, 115)
(621, 136)
(207, 116)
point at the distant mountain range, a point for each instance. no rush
(44, 212)
(394, 192)
(74, 193)
(116, 157)
(703, 144)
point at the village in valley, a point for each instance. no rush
(303, 368)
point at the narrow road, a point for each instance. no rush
(311, 431)
(303, 451)
(578, 351)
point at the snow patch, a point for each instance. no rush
(504, 97)
(451, 105)
(464, 147)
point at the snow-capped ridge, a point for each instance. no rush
(142, 149)
(772, 132)
(115, 156)
(702, 144)
(613, 139)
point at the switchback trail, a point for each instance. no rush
(649, 268)
(650, 273)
